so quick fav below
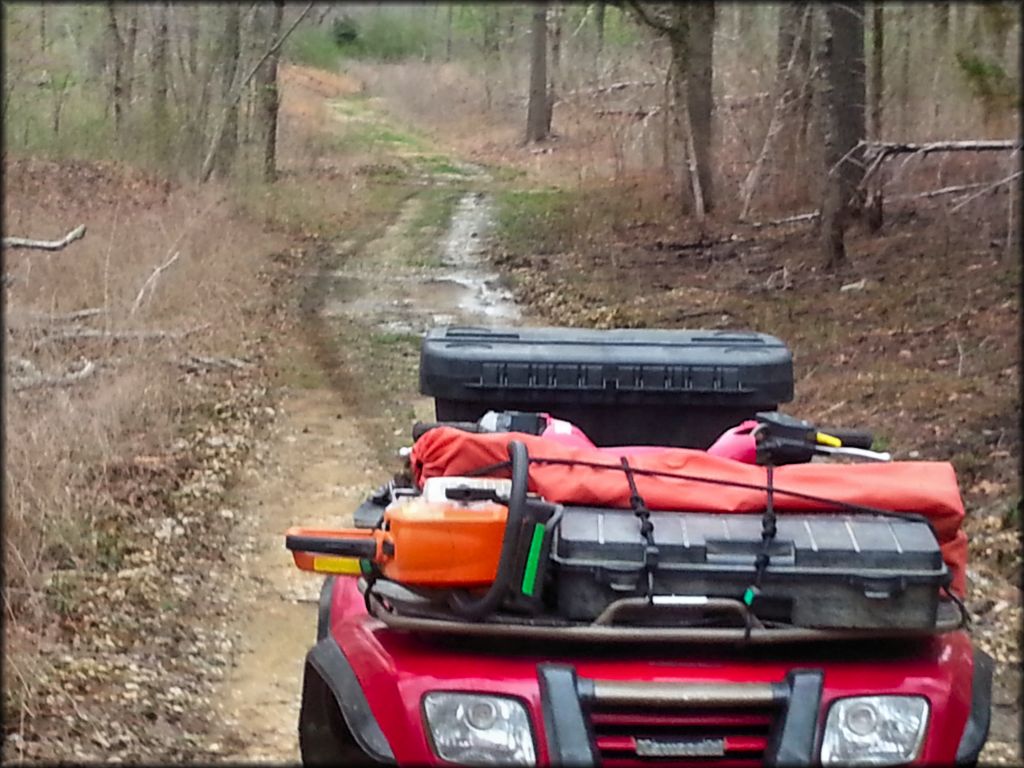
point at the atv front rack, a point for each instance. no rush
(404, 610)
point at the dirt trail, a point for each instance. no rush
(329, 450)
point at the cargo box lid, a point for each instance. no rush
(819, 543)
(577, 365)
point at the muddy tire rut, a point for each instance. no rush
(331, 446)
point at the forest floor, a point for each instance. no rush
(925, 357)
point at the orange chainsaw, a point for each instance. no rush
(460, 534)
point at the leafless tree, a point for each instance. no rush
(117, 90)
(230, 48)
(688, 29)
(269, 97)
(840, 58)
(160, 78)
(537, 119)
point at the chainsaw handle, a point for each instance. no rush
(354, 546)
(476, 608)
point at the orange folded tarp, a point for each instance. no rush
(927, 488)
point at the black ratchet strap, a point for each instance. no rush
(639, 507)
(768, 531)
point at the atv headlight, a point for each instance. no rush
(874, 730)
(474, 729)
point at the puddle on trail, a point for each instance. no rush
(401, 298)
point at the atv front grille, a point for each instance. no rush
(726, 737)
(615, 723)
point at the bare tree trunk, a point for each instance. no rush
(537, 108)
(841, 105)
(790, 15)
(117, 83)
(269, 98)
(192, 36)
(160, 67)
(555, 70)
(785, 88)
(848, 31)
(599, 13)
(941, 26)
(43, 42)
(448, 34)
(793, 58)
(230, 49)
(700, 104)
(209, 161)
(131, 36)
(906, 26)
(875, 213)
(744, 22)
(877, 65)
(690, 177)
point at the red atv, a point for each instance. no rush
(659, 605)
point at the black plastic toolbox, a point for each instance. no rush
(825, 570)
(623, 386)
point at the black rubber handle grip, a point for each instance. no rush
(852, 438)
(324, 546)
(420, 428)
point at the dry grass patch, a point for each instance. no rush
(66, 446)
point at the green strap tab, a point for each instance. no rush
(533, 560)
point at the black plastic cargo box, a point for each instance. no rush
(825, 570)
(621, 387)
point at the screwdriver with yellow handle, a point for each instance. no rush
(782, 439)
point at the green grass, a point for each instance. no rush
(433, 218)
(389, 36)
(314, 47)
(439, 164)
(391, 339)
(536, 221)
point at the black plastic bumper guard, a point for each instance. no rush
(564, 697)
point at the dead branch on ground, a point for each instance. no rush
(986, 190)
(74, 334)
(151, 282)
(797, 219)
(70, 317)
(46, 245)
(637, 114)
(198, 363)
(44, 380)
(942, 191)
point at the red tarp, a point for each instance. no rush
(927, 488)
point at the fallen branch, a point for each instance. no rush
(197, 363)
(989, 188)
(151, 282)
(46, 245)
(612, 87)
(878, 151)
(71, 334)
(70, 317)
(639, 114)
(942, 191)
(701, 242)
(701, 313)
(902, 148)
(798, 218)
(87, 370)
